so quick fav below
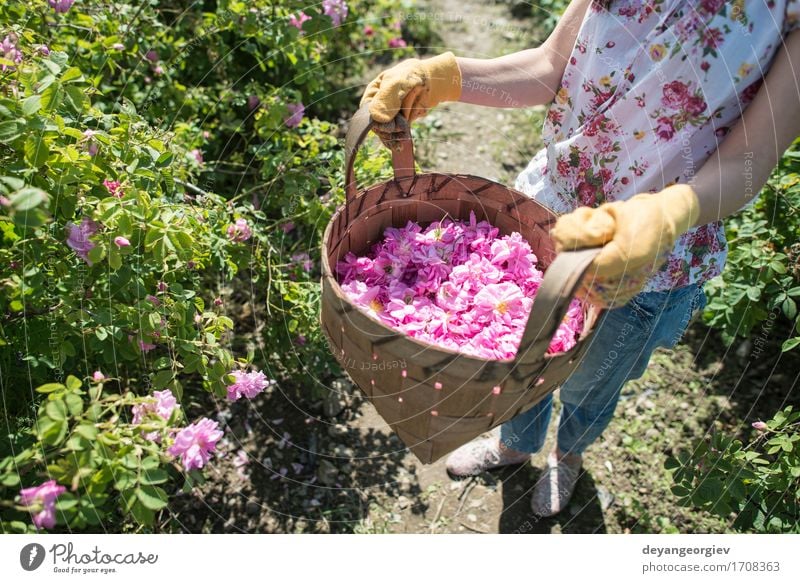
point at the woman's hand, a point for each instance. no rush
(636, 235)
(411, 88)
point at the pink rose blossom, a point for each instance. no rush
(247, 384)
(296, 112)
(89, 142)
(61, 6)
(336, 9)
(78, 238)
(114, 188)
(151, 56)
(759, 425)
(297, 21)
(194, 443)
(239, 231)
(397, 43)
(304, 260)
(146, 346)
(98, 376)
(9, 51)
(197, 155)
(121, 242)
(41, 499)
(161, 403)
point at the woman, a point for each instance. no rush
(663, 120)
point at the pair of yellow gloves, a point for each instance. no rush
(635, 234)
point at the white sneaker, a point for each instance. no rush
(484, 454)
(555, 487)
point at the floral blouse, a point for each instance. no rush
(651, 89)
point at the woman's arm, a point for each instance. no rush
(529, 77)
(743, 162)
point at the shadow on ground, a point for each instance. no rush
(289, 470)
(583, 515)
(753, 374)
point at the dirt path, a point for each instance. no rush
(489, 142)
(464, 139)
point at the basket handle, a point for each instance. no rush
(402, 153)
(560, 282)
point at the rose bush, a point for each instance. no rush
(154, 171)
(756, 295)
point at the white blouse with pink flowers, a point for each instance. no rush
(651, 89)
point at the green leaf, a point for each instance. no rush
(790, 344)
(680, 491)
(151, 462)
(28, 198)
(72, 74)
(754, 293)
(97, 253)
(10, 480)
(777, 266)
(164, 160)
(17, 184)
(76, 98)
(56, 410)
(142, 514)
(52, 66)
(10, 131)
(50, 388)
(152, 497)
(155, 320)
(36, 151)
(114, 258)
(789, 308)
(51, 431)
(31, 105)
(87, 431)
(74, 404)
(161, 379)
(151, 477)
(73, 383)
(66, 501)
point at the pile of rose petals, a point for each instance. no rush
(454, 284)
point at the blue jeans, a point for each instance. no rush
(619, 350)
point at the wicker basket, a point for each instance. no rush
(436, 399)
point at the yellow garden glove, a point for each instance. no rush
(636, 234)
(411, 88)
